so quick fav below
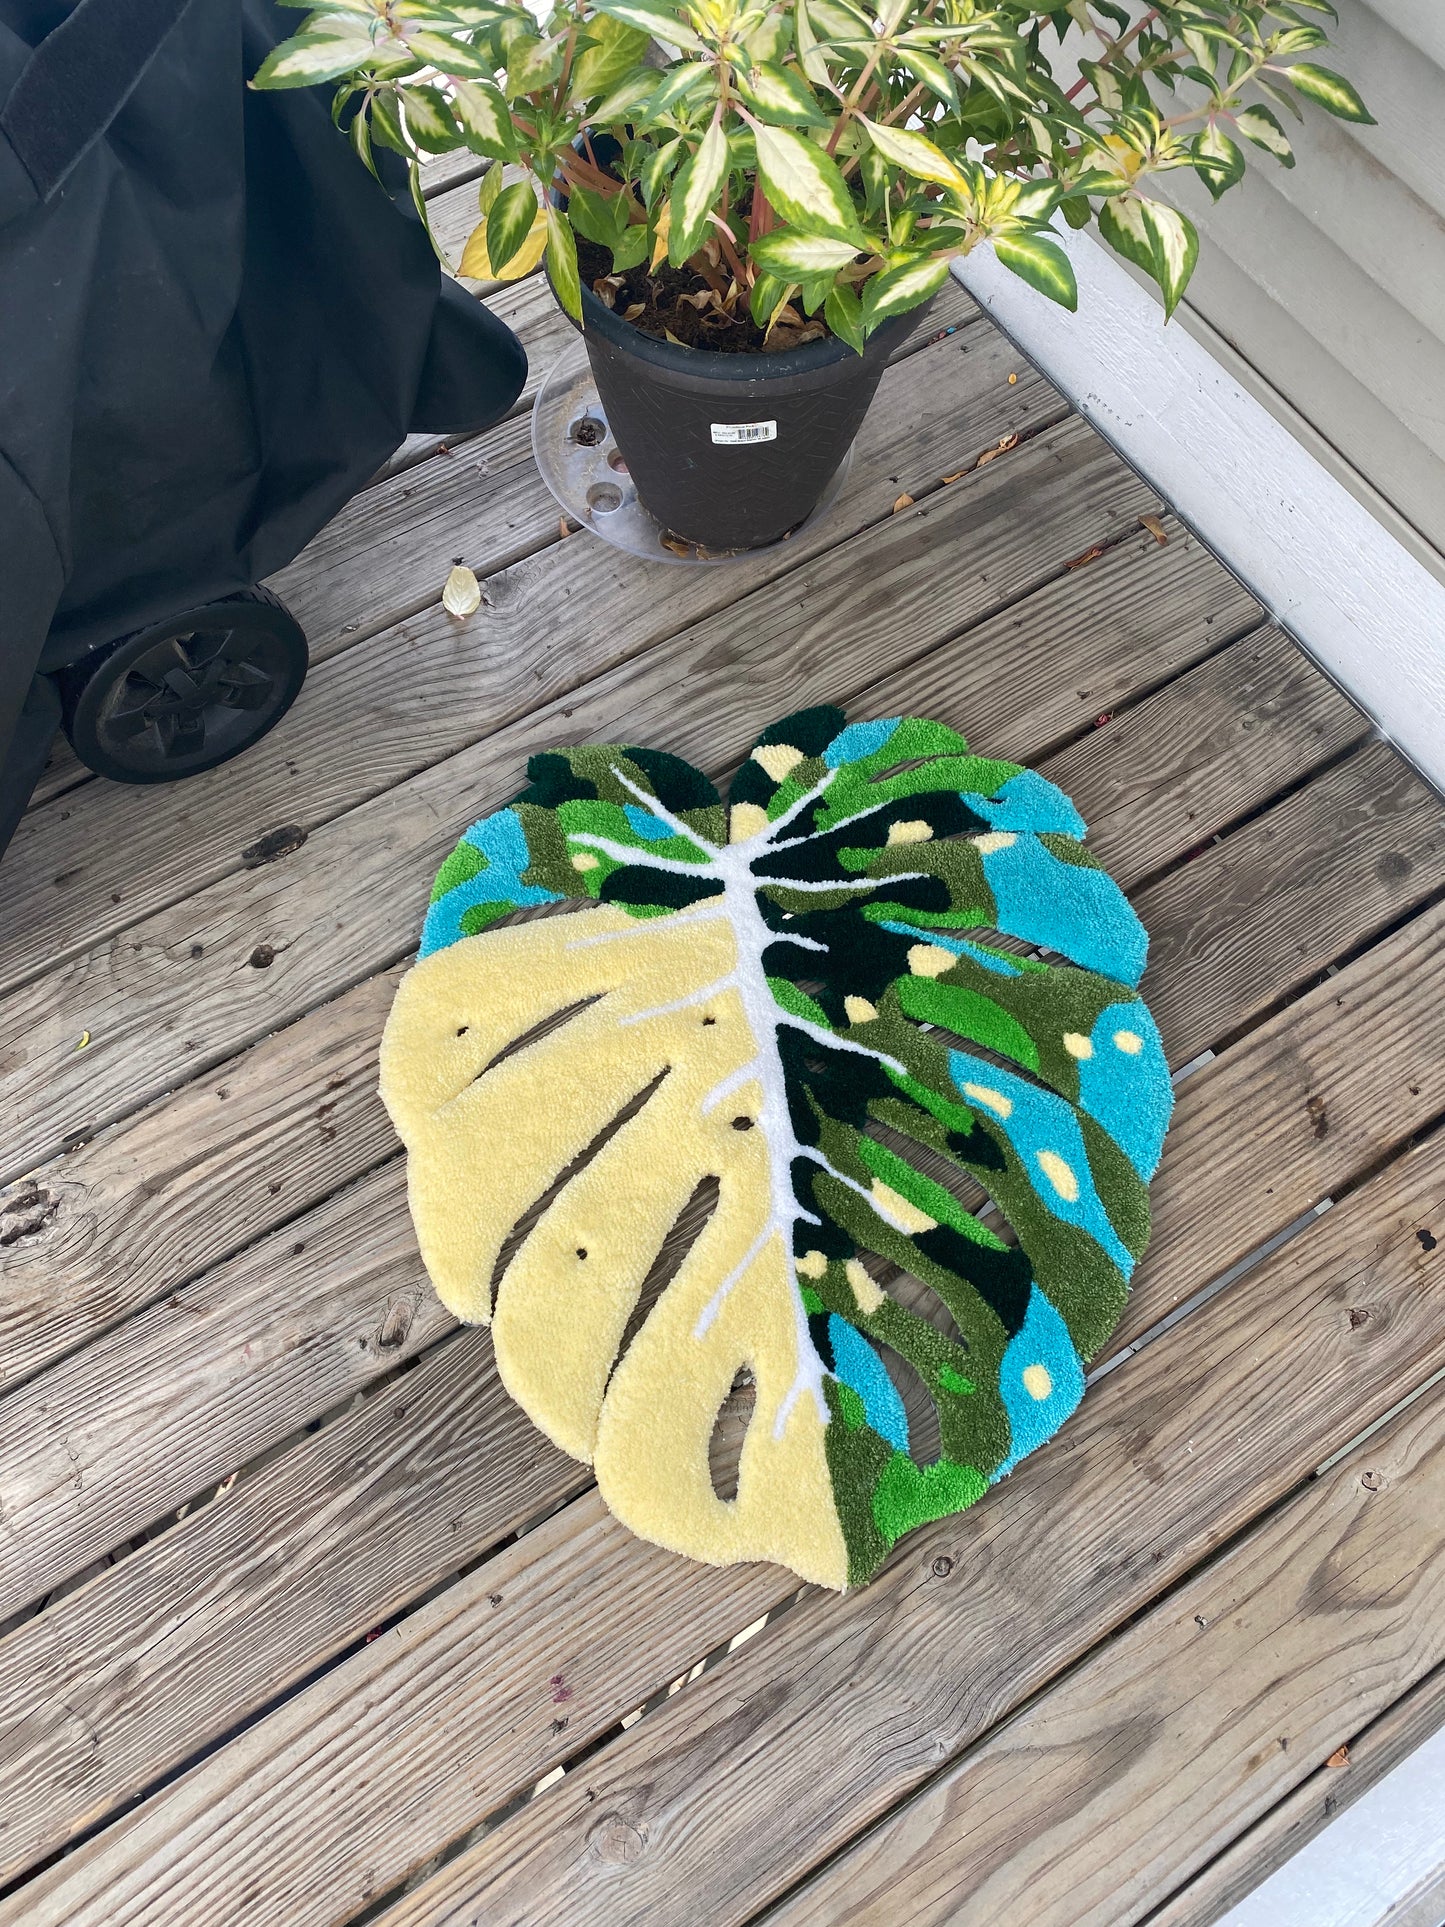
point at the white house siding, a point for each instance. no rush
(1327, 281)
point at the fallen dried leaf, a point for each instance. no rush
(634, 310)
(1156, 529)
(1089, 555)
(903, 502)
(957, 476)
(678, 546)
(462, 595)
(1340, 1757)
(992, 454)
(1012, 380)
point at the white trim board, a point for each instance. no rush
(1380, 1863)
(1369, 613)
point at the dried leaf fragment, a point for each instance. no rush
(903, 502)
(1156, 529)
(1013, 381)
(1340, 1757)
(957, 476)
(1003, 446)
(1089, 555)
(462, 595)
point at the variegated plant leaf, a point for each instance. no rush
(829, 998)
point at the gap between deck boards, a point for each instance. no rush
(255, 948)
(1362, 790)
(870, 1636)
(1137, 1301)
(373, 525)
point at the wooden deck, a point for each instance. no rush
(304, 1624)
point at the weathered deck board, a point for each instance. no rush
(1114, 1787)
(1210, 1208)
(378, 559)
(127, 1215)
(1370, 812)
(178, 992)
(421, 689)
(1088, 1532)
(843, 1707)
(1255, 1854)
(528, 308)
(387, 553)
(225, 1263)
(102, 1444)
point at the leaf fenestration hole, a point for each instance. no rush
(925, 1443)
(687, 1228)
(725, 1447)
(924, 1302)
(544, 1028)
(514, 1239)
(962, 1184)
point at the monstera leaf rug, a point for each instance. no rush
(783, 994)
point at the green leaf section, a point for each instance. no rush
(820, 158)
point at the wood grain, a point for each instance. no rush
(1371, 812)
(179, 1396)
(187, 987)
(231, 1260)
(442, 171)
(482, 501)
(103, 1230)
(788, 1747)
(101, 1444)
(1296, 1819)
(1293, 1113)
(420, 690)
(186, 1182)
(1214, 1201)
(1108, 1791)
(364, 557)
(749, 1778)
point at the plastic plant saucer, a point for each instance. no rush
(584, 470)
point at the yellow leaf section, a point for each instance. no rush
(487, 1140)
(476, 263)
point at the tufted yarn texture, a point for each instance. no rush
(827, 996)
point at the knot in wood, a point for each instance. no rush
(616, 1841)
(27, 1214)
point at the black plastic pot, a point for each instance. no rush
(732, 451)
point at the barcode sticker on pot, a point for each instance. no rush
(745, 431)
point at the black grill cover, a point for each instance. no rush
(214, 323)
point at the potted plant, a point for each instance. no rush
(745, 207)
